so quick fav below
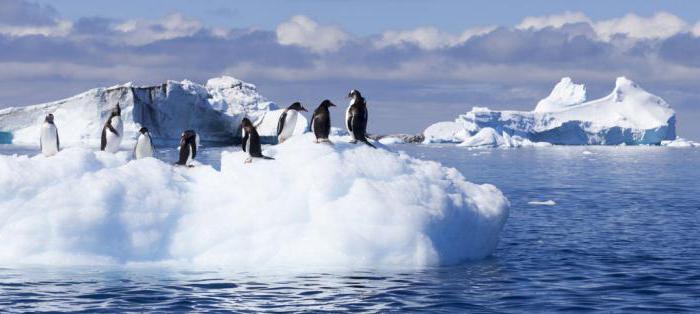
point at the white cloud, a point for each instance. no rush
(142, 32)
(428, 37)
(59, 29)
(659, 26)
(305, 32)
(555, 20)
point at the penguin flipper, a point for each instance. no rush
(103, 139)
(58, 142)
(112, 129)
(280, 123)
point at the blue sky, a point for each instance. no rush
(365, 17)
(423, 61)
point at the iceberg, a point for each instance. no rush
(316, 205)
(214, 110)
(629, 115)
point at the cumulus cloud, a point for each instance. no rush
(305, 32)
(658, 26)
(555, 20)
(140, 32)
(20, 18)
(428, 37)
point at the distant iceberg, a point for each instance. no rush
(316, 205)
(629, 115)
(214, 110)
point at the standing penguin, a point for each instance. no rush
(188, 148)
(251, 141)
(356, 118)
(112, 132)
(321, 121)
(144, 145)
(288, 121)
(48, 139)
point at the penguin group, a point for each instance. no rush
(356, 116)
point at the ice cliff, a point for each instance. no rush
(214, 110)
(629, 115)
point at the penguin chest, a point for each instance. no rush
(247, 146)
(114, 140)
(49, 139)
(347, 117)
(144, 148)
(290, 123)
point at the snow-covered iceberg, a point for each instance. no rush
(316, 205)
(214, 110)
(629, 115)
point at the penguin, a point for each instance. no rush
(144, 145)
(356, 118)
(321, 121)
(354, 96)
(48, 140)
(112, 132)
(188, 148)
(288, 121)
(251, 141)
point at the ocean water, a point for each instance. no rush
(622, 236)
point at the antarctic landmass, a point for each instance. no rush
(629, 115)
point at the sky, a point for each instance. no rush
(417, 62)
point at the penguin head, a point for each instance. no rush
(189, 134)
(327, 103)
(117, 111)
(49, 118)
(297, 106)
(143, 130)
(246, 124)
(354, 94)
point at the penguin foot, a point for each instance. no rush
(248, 160)
(353, 142)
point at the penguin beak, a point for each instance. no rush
(331, 105)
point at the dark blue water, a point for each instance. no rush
(624, 236)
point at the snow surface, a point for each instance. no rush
(564, 95)
(628, 115)
(339, 205)
(213, 110)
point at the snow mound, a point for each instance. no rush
(680, 142)
(213, 110)
(629, 115)
(446, 132)
(489, 138)
(339, 205)
(565, 94)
